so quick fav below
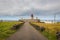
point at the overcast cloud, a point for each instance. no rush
(22, 7)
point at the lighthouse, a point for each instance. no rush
(32, 16)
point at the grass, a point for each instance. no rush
(5, 29)
(49, 35)
(50, 31)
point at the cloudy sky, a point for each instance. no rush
(45, 9)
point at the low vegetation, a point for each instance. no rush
(50, 29)
(5, 29)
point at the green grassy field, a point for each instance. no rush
(50, 29)
(5, 29)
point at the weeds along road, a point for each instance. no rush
(27, 32)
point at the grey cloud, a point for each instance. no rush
(14, 7)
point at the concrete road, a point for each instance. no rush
(27, 32)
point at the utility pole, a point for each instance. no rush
(54, 17)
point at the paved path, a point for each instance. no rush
(27, 32)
